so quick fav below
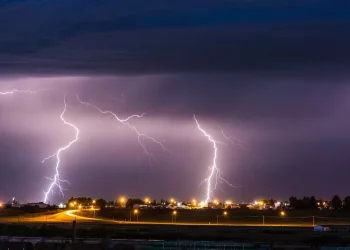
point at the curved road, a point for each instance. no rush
(69, 216)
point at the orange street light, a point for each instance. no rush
(225, 213)
(93, 201)
(173, 216)
(148, 201)
(194, 202)
(136, 213)
(283, 213)
(122, 200)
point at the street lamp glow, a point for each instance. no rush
(122, 200)
(194, 202)
(174, 213)
(94, 201)
(1, 205)
(202, 204)
(216, 202)
(136, 211)
(172, 200)
(225, 213)
(80, 206)
(283, 213)
(228, 202)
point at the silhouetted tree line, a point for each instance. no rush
(87, 201)
(306, 202)
(312, 203)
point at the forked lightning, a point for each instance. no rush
(126, 122)
(56, 181)
(214, 171)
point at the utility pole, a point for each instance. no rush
(313, 221)
(263, 219)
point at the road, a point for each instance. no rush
(69, 216)
(62, 217)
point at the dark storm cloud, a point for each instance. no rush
(162, 37)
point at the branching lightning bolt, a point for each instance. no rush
(15, 91)
(233, 141)
(56, 181)
(126, 121)
(214, 171)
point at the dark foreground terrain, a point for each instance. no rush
(91, 236)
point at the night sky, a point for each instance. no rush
(272, 73)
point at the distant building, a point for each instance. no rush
(40, 205)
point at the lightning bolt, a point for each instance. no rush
(232, 140)
(126, 122)
(56, 181)
(214, 171)
(15, 91)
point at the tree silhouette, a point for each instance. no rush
(336, 202)
(347, 203)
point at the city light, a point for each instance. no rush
(122, 200)
(216, 202)
(202, 204)
(225, 213)
(228, 202)
(174, 213)
(172, 201)
(283, 213)
(94, 202)
(194, 202)
(1, 205)
(80, 206)
(136, 211)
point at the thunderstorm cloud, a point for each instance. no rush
(272, 74)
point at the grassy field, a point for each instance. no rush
(231, 217)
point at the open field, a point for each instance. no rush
(186, 217)
(145, 235)
(222, 233)
(234, 217)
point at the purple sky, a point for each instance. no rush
(271, 73)
(297, 142)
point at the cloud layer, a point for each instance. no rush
(133, 37)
